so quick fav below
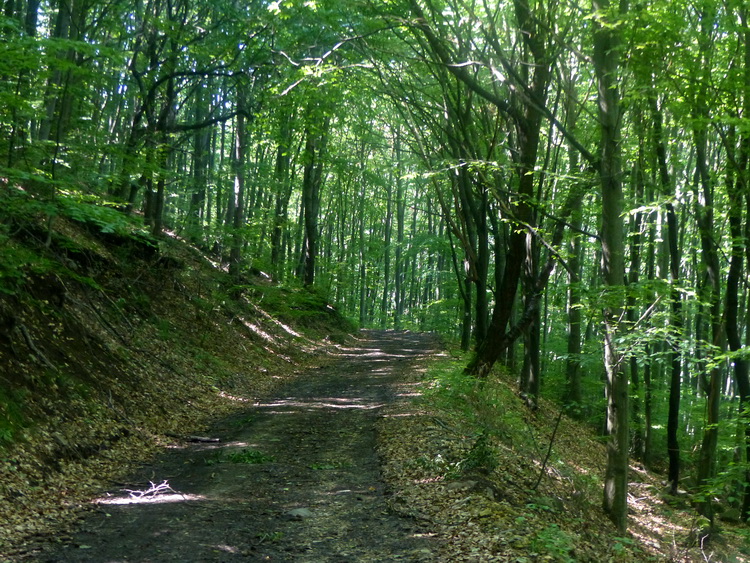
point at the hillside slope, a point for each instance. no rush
(497, 481)
(110, 340)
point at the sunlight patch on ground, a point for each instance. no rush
(227, 549)
(255, 328)
(155, 494)
(237, 398)
(337, 492)
(238, 444)
(664, 529)
(409, 390)
(379, 357)
(322, 403)
(400, 415)
(160, 499)
(285, 327)
(428, 480)
(577, 468)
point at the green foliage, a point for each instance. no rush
(12, 419)
(480, 403)
(296, 304)
(91, 210)
(727, 485)
(166, 332)
(33, 217)
(554, 543)
(16, 264)
(742, 537)
(482, 457)
(247, 456)
(623, 548)
(270, 537)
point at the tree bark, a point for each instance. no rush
(237, 196)
(710, 287)
(606, 66)
(316, 138)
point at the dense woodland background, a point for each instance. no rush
(561, 187)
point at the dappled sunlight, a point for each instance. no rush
(321, 403)
(256, 329)
(577, 468)
(429, 480)
(409, 390)
(402, 415)
(409, 394)
(285, 327)
(256, 479)
(652, 529)
(375, 357)
(161, 499)
(339, 492)
(154, 494)
(239, 444)
(666, 525)
(227, 549)
(236, 398)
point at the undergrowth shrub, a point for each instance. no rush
(554, 543)
(12, 418)
(93, 211)
(482, 404)
(481, 408)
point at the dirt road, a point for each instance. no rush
(294, 478)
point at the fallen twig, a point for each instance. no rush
(37, 352)
(152, 491)
(549, 451)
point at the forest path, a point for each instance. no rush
(316, 497)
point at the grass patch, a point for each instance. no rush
(249, 456)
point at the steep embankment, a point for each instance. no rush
(496, 481)
(110, 340)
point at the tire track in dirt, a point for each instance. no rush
(314, 496)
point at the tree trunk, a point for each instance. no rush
(606, 66)
(739, 247)
(316, 138)
(201, 162)
(400, 220)
(237, 196)
(710, 285)
(386, 296)
(282, 196)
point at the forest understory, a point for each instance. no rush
(124, 349)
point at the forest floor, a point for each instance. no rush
(296, 477)
(349, 462)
